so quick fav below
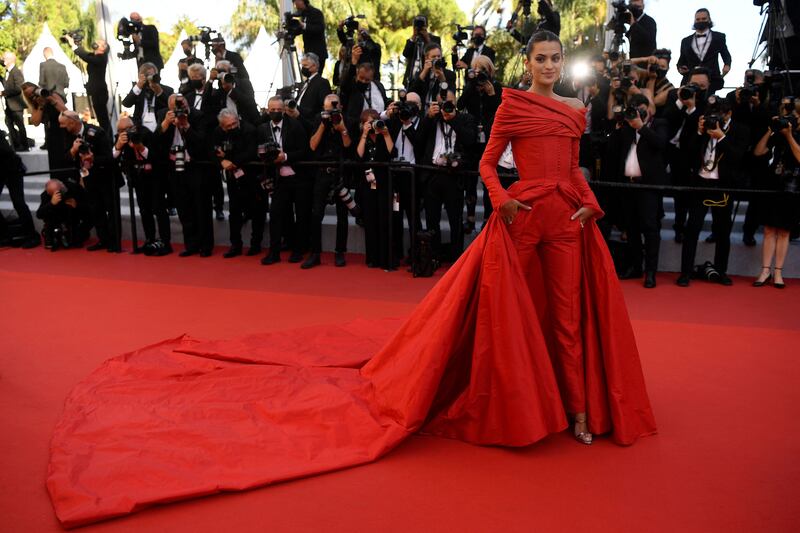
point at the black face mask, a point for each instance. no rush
(233, 132)
(478, 40)
(188, 52)
(702, 26)
(636, 11)
(362, 86)
(196, 84)
(276, 116)
(661, 73)
(305, 72)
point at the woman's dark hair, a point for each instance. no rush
(542, 36)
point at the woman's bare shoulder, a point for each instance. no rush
(574, 103)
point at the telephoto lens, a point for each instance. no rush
(448, 107)
(380, 125)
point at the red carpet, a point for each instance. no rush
(721, 365)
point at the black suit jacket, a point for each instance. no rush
(137, 102)
(642, 36)
(730, 154)
(717, 48)
(242, 95)
(150, 47)
(293, 139)
(236, 60)
(100, 145)
(651, 150)
(410, 53)
(195, 141)
(53, 76)
(206, 116)
(12, 89)
(421, 86)
(354, 99)
(314, 34)
(245, 146)
(468, 55)
(95, 69)
(412, 136)
(316, 89)
(466, 137)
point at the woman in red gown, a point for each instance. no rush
(528, 325)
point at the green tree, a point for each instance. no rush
(168, 40)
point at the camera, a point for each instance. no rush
(334, 116)
(291, 27)
(781, 123)
(207, 36)
(448, 107)
(688, 91)
(477, 75)
(291, 104)
(350, 25)
(269, 151)
(125, 30)
(225, 147)
(153, 78)
(181, 109)
(84, 148)
(633, 112)
(619, 113)
(345, 197)
(450, 159)
(420, 22)
(787, 103)
(440, 63)
(177, 154)
(713, 113)
(618, 20)
(461, 34)
(41, 91)
(134, 135)
(379, 125)
(77, 36)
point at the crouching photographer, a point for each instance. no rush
(716, 153)
(181, 145)
(448, 138)
(66, 217)
(90, 149)
(283, 141)
(132, 150)
(331, 143)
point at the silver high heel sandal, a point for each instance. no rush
(584, 437)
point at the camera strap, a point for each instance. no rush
(447, 135)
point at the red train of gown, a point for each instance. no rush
(185, 418)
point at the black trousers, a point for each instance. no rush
(102, 194)
(16, 129)
(506, 182)
(193, 196)
(14, 181)
(217, 192)
(721, 225)
(151, 189)
(297, 191)
(445, 189)
(471, 194)
(74, 219)
(643, 220)
(409, 203)
(323, 183)
(246, 197)
(680, 177)
(99, 101)
(380, 220)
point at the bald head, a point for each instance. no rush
(47, 52)
(54, 186)
(124, 123)
(70, 121)
(414, 99)
(331, 101)
(9, 58)
(135, 17)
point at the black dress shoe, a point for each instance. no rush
(271, 259)
(749, 240)
(724, 280)
(206, 253)
(172, 212)
(114, 249)
(32, 242)
(631, 273)
(220, 215)
(711, 238)
(312, 261)
(165, 248)
(296, 257)
(469, 227)
(678, 237)
(233, 251)
(650, 280)
(96, 246)
(683, 280)
(253, 250)
(187, 252)
(339, 259)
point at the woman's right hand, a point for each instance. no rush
(508, 211)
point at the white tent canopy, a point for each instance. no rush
(30, 68)
(263, 64)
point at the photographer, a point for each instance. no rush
(313, 30)
(626, 82)
(403, 118)
(15, 104)
(780, 213)
(11, 177)
(235, 146)
(180, 143)
(448, 138)
(235, 93)
(642, 31)
(145, 37)
(549, 20)
(223, 54)
(62, 208)
(638, 150)
(376, 146)
(184, 63)
(682, 113)
(96, 88)
(46, 110)
(52, 74)
(704, 48)
(292, 185)
(330, 143)
(351, 35)
(132, 150)
(311, 98)
(89, 147)
(148, 97)
(414, 51)
(717, 151)
(427, 84)
(657, 67)
(480, 98)
(477, 47)
(360, 90)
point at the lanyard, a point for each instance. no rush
(447, 135)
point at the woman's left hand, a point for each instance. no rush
(583, 215)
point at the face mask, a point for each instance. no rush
(702, 26)
(305, 72)
(478, 40)
(276, 116)
(636, 11)
(188, 52)
(661, 73)
(196, 84)
(362, 85)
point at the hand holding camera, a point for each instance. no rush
(433, 110)
(355, 54)
(122, 140)
(56, 198)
